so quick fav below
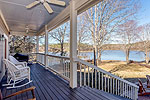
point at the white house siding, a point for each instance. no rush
(2, 53)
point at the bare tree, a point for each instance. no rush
(60, 34)
(22, 44)
(105, 17)
(82, 31)
(145, 38)
(128, 35)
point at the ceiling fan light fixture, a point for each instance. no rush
(42, 1)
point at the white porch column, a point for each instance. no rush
(73, 45)
(37, 44)
(46, 46)
(37, 48)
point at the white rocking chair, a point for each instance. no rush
(17, 74)
(16, 62)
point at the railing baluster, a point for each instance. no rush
(131, 93)
(136, 94)
(108, 84)
(80, 75)
(99, 79)
(92, 77)
(64, 70)
(66, 67)
(105, 82)
(95, 79)
(111, 85)
(127, 91)
(123, 89)
(88, 77)
(116, 86)
(102, 82)
(84, 75)
(69, 68)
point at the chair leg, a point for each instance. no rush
(19, 85)
(14, 83)
(8, 78)
(8, 83)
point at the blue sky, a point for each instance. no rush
(144, 12)
(143, 15)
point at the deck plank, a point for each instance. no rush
(51, 87)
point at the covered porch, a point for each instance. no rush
(50, 86)
(59, 77)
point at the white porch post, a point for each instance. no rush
(73, 45)
(37, 44)
(46, 46)
(37, 48)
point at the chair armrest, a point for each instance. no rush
(25, 63)
(22, 63)
(22, 91)
(22, 68)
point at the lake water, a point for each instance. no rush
(116, 55)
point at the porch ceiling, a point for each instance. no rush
(18, 17)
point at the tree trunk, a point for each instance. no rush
(147, 56)
(94, 56)
(99, 57)
(127, 56)
(62, 49)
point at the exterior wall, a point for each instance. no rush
(2, 54)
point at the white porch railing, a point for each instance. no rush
(58, 64)
(98, 78)
(40, 57)
(90, 75)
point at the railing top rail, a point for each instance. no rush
(64, 57)
(92, 66)
(40, 53)
(105, 72)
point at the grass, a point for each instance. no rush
(131, 72)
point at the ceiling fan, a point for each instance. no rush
(28, 30)
(46, 5)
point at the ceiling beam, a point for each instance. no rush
(83, 5)
(22, 33)
(64, 16)
(3, 25)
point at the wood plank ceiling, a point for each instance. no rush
(18, 17)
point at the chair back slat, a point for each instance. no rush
(11, 67)
(13, 60)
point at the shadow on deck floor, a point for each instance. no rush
(51, 87)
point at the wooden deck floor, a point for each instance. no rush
(51, 87)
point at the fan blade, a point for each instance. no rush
(61, 3)
(49, 9)
(32, 4)
(26, 30)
